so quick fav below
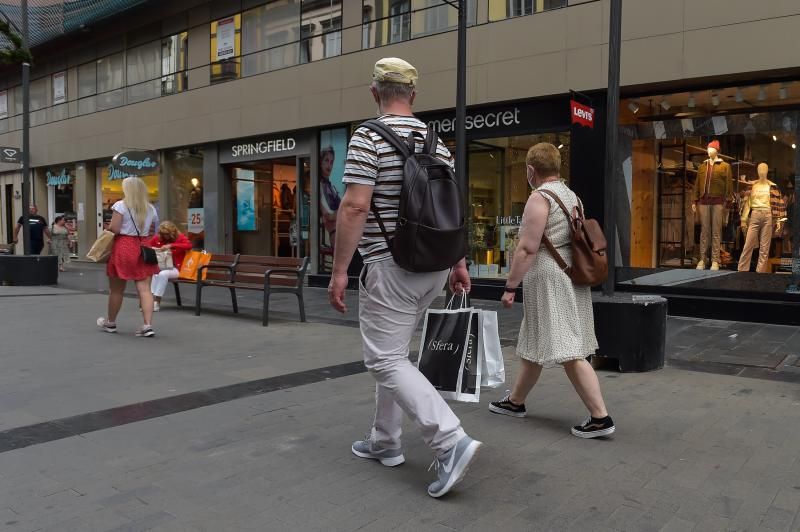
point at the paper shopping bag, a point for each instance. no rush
(189, 267)
(447, 358)
(493, 371)
(203, 260)
(101, 249)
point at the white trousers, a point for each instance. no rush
(391, 303)
(160, 281)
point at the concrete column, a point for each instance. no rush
(216, 203)
(89, 224)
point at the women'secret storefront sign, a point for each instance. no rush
(506, 118)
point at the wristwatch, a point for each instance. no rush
(510, 290)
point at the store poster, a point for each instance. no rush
(246, 200)
(196, 224)
(333, 152)
(59, 88)
(226, 38)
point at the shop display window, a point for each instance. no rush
(332, 156)
(498, 192)
(184, 173)
(725, 225)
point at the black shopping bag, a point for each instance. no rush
(448, 356)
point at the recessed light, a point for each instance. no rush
(775, 138)
(665, 104)
(560, 146)
(634, 107)
(794, 146)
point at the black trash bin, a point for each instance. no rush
(631, 330)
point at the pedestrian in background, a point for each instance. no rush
(170, 238)
(59, 242)
(38, 230)
(132, 221)
(393, 300)
(558, 324)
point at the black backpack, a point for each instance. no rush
(430, 234)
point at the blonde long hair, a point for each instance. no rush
(136, 200)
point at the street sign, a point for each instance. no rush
(10, 155)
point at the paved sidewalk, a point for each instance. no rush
(219, 424)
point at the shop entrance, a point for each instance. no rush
(265, 208)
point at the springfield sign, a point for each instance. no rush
(133, 164)
(264, 147)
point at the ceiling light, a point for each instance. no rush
(691, 102)
(665, 104)
(634, 107)
(739, 96)
(794, 146)
(775, 138)
(560, 146)
(782, 93)
(715, 100)
(762, 93)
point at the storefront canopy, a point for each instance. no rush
(49, 19)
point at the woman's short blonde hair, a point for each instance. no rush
(169, 230)
(545, 159)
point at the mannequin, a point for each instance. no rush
(763, 210)
(712, 189)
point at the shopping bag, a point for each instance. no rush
(101, 249)
(164, 257)
(203, 260)
(447, 358)
(189, 267)
(493, 371)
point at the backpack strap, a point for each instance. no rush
(431, 142)
(388, 134)
(546, 241)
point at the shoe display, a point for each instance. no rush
(595, 428)
(367, 448)
(453, 465)
(505, 407)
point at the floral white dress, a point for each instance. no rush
(558, 325)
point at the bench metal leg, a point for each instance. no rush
(198, 299)
(177, 294)
(265, 316)
(302, 304)
(234, 303)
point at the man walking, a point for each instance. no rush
(38, 227)
(391, 299)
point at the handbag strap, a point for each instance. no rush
(134, 221)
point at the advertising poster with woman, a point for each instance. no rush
(333, 151)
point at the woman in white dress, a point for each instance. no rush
(558, 325)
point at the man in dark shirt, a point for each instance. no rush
(38, 228)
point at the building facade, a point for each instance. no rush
(250, 104)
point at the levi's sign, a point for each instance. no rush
(135, 163)
(582, 114)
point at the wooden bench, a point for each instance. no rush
(253, 272)
(219, 269)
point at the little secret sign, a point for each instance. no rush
(582, 114)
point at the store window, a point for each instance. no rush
(110, 82)
(61, 192)
(270, 37)
(498, 192)
(700, 223)
(226, 49)
(110, 179)
(184, 173)
(392, 21)
(332, 156)
(87, 88)
(503, 9)
(175, 64)
(38, 95)
(144, 72)
(321, 30)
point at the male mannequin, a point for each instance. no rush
(712, 189)
(763, 208)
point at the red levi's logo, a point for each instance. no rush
(582, 114)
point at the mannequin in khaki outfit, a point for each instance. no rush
(712, 189)
(758, 212)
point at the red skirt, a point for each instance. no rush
(126, 260)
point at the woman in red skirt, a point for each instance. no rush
(132, 221)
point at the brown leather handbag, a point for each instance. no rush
(589, 260)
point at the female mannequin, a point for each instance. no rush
(762, 210)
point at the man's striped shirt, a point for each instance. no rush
(372, 161)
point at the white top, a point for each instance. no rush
(128, 228)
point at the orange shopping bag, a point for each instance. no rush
(193, 261)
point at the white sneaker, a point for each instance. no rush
(701, 265)
(156, 307)
(106, 326)
(714, 266)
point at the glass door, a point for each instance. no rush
(302, 225)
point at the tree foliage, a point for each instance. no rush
(14, 52)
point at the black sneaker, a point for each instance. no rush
(506, 407)
(595, 428)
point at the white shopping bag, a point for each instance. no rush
(493, 371)
(447, 356)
